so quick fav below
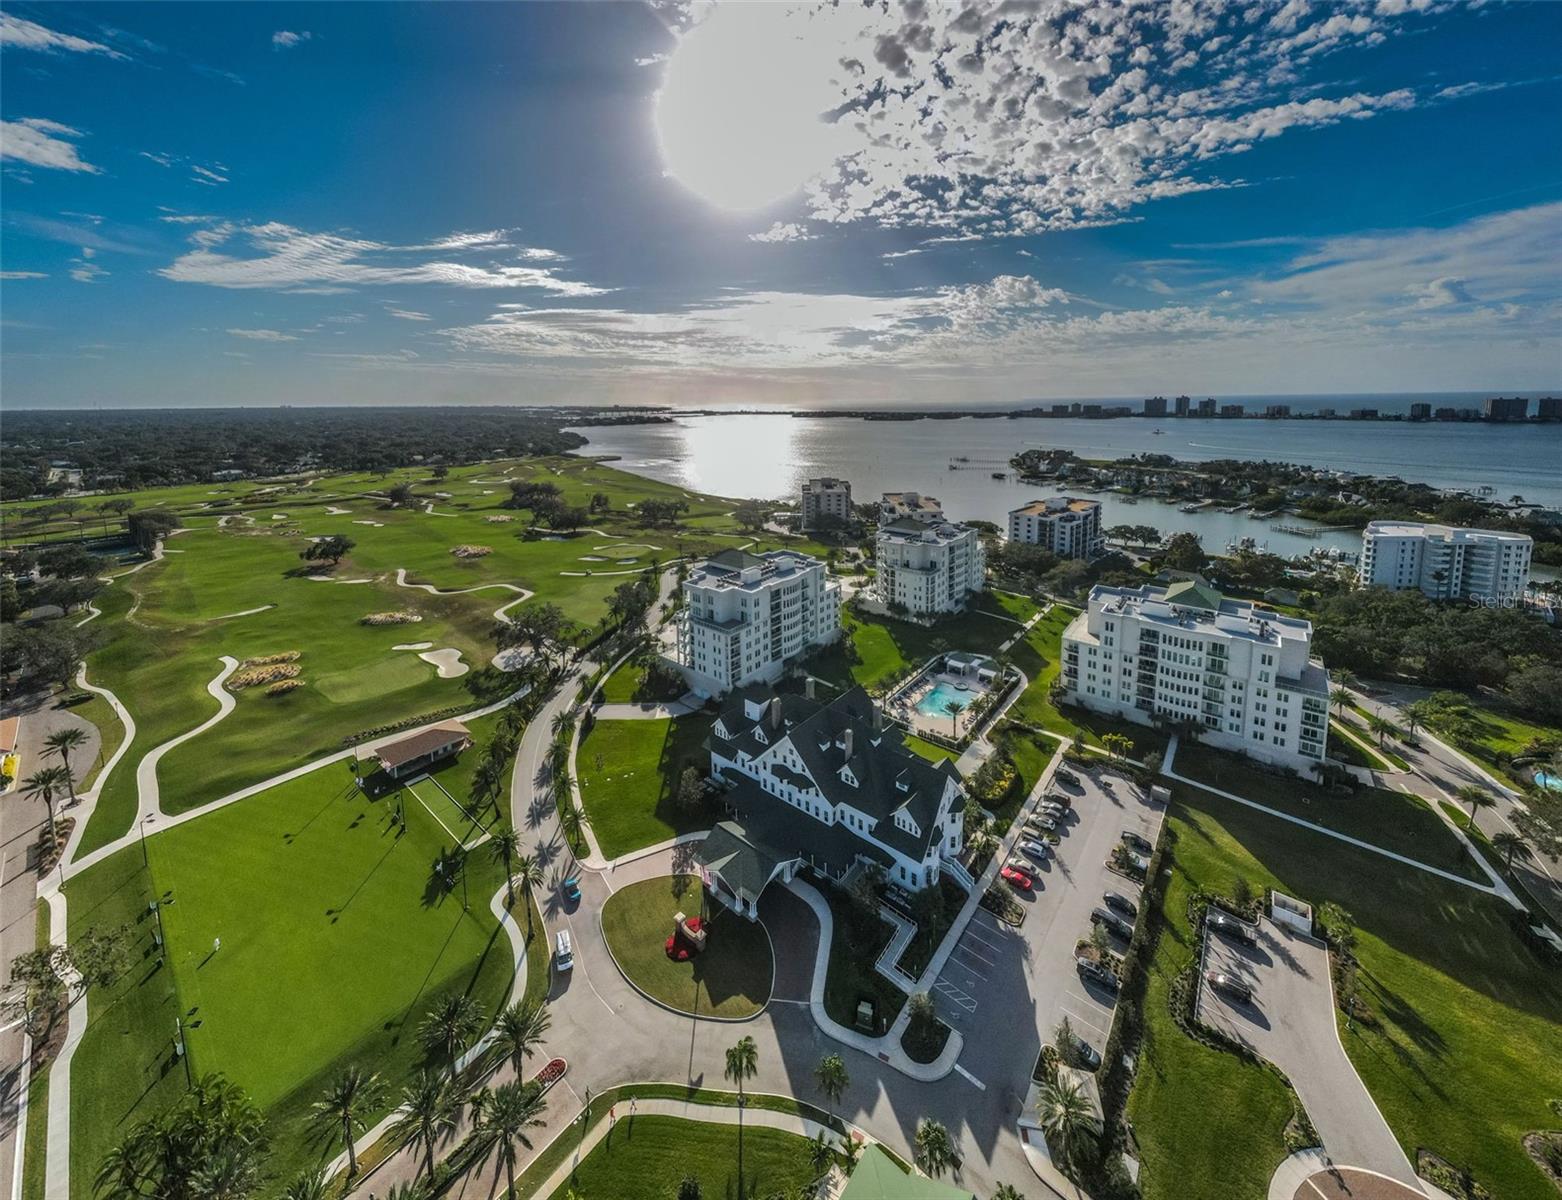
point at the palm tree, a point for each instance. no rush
(307, 1187)
(1066, 1118)
(509, 1110)
(1511, 846)
(1477, 798)
(833, 1079)
(528, 874)
(1007, 1191)
(1341, 698)
(347, 1102)
(1417, 713)
(572, 820)
(518, 1033)
(952, 711)
(1345, 677)
(935, 1153)
(451, 1026)
(61, 742)
(850, 1151)
(486, 780)
(1380, 726)
(820, 1153)
(45, 782)
(503, 845)
(430, 1108)
(742, 1065)
(414, 1189)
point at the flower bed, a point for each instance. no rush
(551, 1073)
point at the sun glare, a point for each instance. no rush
(739, 113)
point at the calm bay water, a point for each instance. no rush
(768, 456)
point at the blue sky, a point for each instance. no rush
(755, 204)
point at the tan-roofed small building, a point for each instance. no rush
(418, 750)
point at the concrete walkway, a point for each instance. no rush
(681, 707)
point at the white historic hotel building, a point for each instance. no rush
(746, 614)
(1186, 653)
(1446, 562)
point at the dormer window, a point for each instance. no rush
(846, 774)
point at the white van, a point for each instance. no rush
(563, 954)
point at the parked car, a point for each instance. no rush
(1122, 904)
(1058, 798)
(572, 889)
(1096, 973)
(1064, 775)
(1016, 878)
(1052, 810)
(1112, 923)
(1087, 1054)
(1230, 986)
(1035, 849)
(1233, 927)
(1042, 822)
(563, 952)
(1137, 841)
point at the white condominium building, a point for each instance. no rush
(827, 498)
(746, 614)
(1068, 527)
(1446, 562)
(928, 568)
(897, 506)
(1187, 653)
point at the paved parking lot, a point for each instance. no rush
(1291, 1022)
(1016, 984)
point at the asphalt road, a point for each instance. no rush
(1290, 1022)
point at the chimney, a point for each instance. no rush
(846, 743)
(775, 713)
(808, 686)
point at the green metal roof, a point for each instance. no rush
(878, 1177)
(1194, 595)
(744, 865)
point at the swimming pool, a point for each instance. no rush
(1548, 781)
(933, 704)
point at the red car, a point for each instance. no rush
(1016, 878)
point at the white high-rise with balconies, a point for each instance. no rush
(1446, 562)
(746, 614)
(1069, 527)
(826, 501)
(1188, 654)
(927, 567)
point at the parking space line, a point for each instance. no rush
(970, 1077)
(962, 948)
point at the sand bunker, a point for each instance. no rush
(331, 579)
(337, 512)
(376, 524)
(412, 646)
(592, 558)
(279, 516)
(447, 662)
(628, 560)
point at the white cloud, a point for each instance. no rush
(286, 39)
(210, 176)
(1001, 118)
(22, 34)
(407, 314)
(288, 259)
(263, 335)
(41, 143)
(22, 275)
(789, 232)
(85, 271)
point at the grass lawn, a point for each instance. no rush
(1031, 753)
(628, 773)
(111, 731)
(849, 974)
(647, 1156)
(931, 751)
(1007, 604)
(623, 685)
(873, 648)
(1353, 753)
(335, 940)
(1387, 818)
(1459, 1013)
(1209, 1126)
(731, 977)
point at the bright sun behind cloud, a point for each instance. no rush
(740, 111)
